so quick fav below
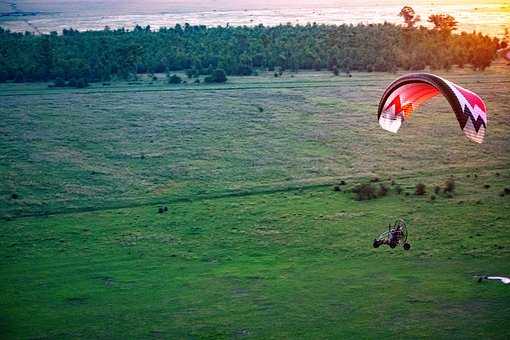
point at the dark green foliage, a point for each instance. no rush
(421, 189)
(174, 79)
(217, 76)
(398, 189)
(59, 82)
(449, 186)
(383, 190)
(101, 55)
(78, 83)
(365, 192)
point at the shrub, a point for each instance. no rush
(364, 192)
(14, 196)
(217, 76)
(437, 189)
(59, 82)
(507, 191)
(398, 189)
(432, 197)
(487, 186)
(72, 82)
(383, 191)
(82, 83)
(337, 188)
(449, 185)
(197, 81)
(160, 210)
(174, 79)
(421, 189)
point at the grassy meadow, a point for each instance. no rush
(255, 243)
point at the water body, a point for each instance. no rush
(489, 17)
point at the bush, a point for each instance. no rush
(217, 76)
(398, 189)
(174, 79)
(59, 82)
(421, 189)
(365, 192)
(78, 83)
(449, 186)
(383, 191)
(337, 188)
(82, 83)
(437, 189)
(487, 186)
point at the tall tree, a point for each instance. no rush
(410, 17)
(444, 23)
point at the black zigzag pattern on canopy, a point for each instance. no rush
(468, 115)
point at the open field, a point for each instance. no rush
(123, 145)
(255, 242)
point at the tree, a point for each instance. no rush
(444, 23)
(410, 17)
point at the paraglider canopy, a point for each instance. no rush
(408, 92)
(505, 53)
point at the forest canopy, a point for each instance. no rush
(199, 50)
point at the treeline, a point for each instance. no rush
(198, 50)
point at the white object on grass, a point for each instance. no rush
(503, 279)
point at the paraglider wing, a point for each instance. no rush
(505, 53)
(408, 92)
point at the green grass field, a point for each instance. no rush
(255, 243)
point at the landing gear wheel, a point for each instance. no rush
(376, 243)
(393, 245)
(407, 246)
